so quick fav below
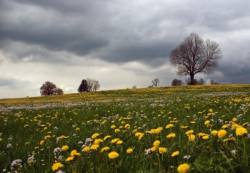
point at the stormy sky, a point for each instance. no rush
(118, 42)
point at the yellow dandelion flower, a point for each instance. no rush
(214, 132)
(240, 131)
(183, 168)
(56, 166)
(222, 133)
(225, 126)
(95, 135)
(129, 151)
(139, 135)
(169, 126)
(74, 153)
(106, 137)
(127, 126)
(113, 141)
(171, 136)
(117, 130)
(234, 119)
(191, 137)
(162, 150)
(105, 149)
(119, 142)
(207, 122)
(205, 137)
(94, 147)
(235, 125)
(189, 132)
(175, 153)
(113, 155)
(98, 141)
(65, 147)
(86, 149)
(154, 148)
(156, 143)
(113, 126)
(70, 158)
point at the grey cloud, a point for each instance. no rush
(54, 31)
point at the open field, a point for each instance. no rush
(174, 129)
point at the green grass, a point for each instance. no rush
(37, 132)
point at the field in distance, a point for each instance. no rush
(171, 129)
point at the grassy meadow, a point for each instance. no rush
(174, 129)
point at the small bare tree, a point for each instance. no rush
(194, 55)
(155, 82)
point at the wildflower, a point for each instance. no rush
(207, 122)
(162, 150)
(119, 142)
(171, 136)
(86, 149)
(129, 151)
(156, 143)
(139, 135)
(155, 131)
(186, 157)
(70, 158)
(16, 165)
(106, 137)
(189, 132)
(222, 133)
(74, 153)
(94, 147)
(31, 160)
(233, 152)
(175, 153)
(168, 126)
(117, 130)
(113, 155)
(95, 135)
(154, 148)
(105, 149)
(127, 126)
(214, 132)
(234, 119)
(98, 141)
(225, 126)
(183, 168)
(240, 131)
(205, 137)
(191, 137)
(42, 142)
(113, 126)
(113, 141)
(56, 166)
(148, 151)
(65, 148)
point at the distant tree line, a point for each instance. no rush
(87, 85)
(191, 57)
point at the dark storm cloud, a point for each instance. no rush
(120, 31)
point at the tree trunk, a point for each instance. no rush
(192, 81)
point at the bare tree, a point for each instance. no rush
(194, 55)
(155, 82)
(96, 85)
(89, 85)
